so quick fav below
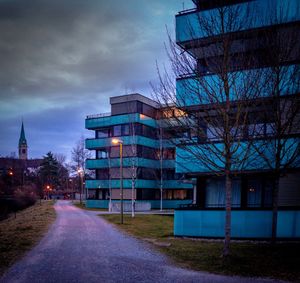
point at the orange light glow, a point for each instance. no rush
(115, 141)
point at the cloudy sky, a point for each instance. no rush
(62, 59)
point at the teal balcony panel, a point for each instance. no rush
(260, 13)
(140, 184)
(260, 156)
(206, 89)
(127, 162)
(93, 123)
(97, 203)
(167, 203)
(127, 140)
(104, 184)
(155, 204)
(244, 223)
(176, 184)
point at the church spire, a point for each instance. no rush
(22, 144)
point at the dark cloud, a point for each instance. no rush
(63, 59)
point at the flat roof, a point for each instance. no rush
(133, 97)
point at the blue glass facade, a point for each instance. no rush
(190, 91)
(256, 29)
(261, 13)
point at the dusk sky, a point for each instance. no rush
(62, 59)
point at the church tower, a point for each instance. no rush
(23, 148)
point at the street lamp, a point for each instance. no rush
(80, 173)
(120, 142)
(48, 189)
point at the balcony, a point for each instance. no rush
(127, 162)
(191, 90)
(140, 183)
(105, 120)
(190, 26)
(127, 140)
(188, 162)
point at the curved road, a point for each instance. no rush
(82, 247)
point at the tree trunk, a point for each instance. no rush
(275, 209)
(132, 193)
(228, 182)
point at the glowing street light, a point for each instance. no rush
(120, 142)
(80, 173)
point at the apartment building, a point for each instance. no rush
(148, 157)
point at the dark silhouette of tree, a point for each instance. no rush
(49, 171)
(280, 147)
(211, 108)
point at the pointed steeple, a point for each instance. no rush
(22, 144)
(22, 139)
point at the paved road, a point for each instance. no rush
(82, 247)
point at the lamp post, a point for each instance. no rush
(80, 173)
(120, 142)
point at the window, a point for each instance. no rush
(102, 174)
(102, 133)
(102, 153)
(214, 133)
(127, 173)
(268, 194)
(261, 129)
(128, 151)
(256, 130)
(169, 153)
(148, 110)
(138, 129)
(254, 192)
(147, 152)
(149, 132)
(215, 192)
(125, 130)
(149, 194)
(124, 108)
(168, 174)
(270, 129)
(236, 132)
(147, 173)
(117, 130)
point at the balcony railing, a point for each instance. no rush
(93, 116)
(264, 13)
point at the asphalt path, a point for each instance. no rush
(82, 247)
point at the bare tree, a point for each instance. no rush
(133, 155)
(210, 109)
(79, 155)
(279, 147)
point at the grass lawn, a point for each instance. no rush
(20, 234)
(258, 259)
(82, 206)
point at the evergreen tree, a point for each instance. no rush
(49, 171)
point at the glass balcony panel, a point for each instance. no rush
(259, 13)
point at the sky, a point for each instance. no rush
(62, 59)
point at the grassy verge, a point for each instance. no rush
(247, 258)
(82, 206)
(20, 234)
